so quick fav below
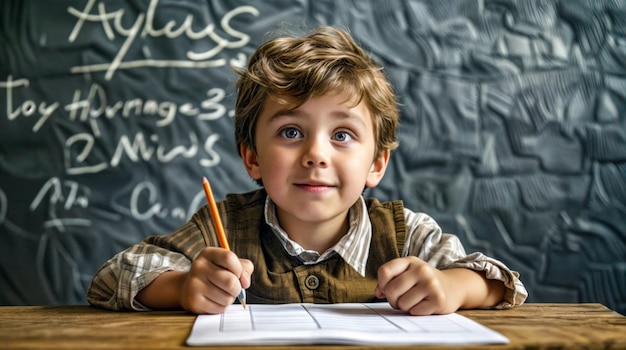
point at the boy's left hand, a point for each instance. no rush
(412, 285)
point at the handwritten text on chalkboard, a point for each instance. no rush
(143, 26)
(90, 107)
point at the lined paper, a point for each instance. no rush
(351, 323)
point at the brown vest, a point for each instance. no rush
(280, 278)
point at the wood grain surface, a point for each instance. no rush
(530, 326)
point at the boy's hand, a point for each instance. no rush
(412, 285)
(214, 281)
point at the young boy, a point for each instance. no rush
(315, 124)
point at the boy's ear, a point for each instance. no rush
(377, 171)
(250, 161)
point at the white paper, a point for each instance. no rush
(351, 323)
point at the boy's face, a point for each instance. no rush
(316, 159)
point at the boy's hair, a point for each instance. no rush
(294, 69)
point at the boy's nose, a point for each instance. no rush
(315, 154)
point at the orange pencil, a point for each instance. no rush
(221, 234)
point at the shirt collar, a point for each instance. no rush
(353, 247)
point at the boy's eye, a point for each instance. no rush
(290, 133)
(342, 136)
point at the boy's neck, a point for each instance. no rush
(315, 236)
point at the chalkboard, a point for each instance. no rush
(112, 114)
(512, 136)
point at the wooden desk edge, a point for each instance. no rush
(533, 325)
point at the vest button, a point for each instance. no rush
(312, 282)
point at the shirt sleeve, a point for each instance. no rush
(445, 251)
(118, 280)
(116, 284)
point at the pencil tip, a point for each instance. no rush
(242, 297)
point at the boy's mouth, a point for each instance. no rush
(314, 186)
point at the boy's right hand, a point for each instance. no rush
(214, 281)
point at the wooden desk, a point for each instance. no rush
(536, 326)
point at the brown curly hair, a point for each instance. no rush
(294, 69)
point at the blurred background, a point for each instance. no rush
(512, 136)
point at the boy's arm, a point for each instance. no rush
(477, 290)
(118, 280)
(426, 241)
(164, 291)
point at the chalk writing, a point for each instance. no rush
(79, 155)
(83, 118)
(144, 204)
(65, 193)
(96, 104)
(143, 26)
(62, 196)
(27, 108)
(79, 147)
